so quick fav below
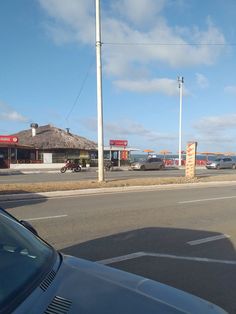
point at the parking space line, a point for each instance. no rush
(207, 199)
(48, 217)
(208, 239)
(121, 258)
(159, 255)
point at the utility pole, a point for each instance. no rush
(181, 82)
(99, 94)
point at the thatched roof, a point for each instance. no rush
(49, 137)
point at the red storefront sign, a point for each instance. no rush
(124, 155)
(8, 139)
(122, 143)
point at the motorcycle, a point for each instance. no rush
(74, 167)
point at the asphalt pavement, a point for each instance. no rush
(183, 237)
(29, 177)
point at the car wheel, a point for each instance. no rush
(233, 166)
(161, 167)
(142, 168)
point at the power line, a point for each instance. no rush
(166, 44)
(81, 88)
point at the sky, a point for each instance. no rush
(48, 70)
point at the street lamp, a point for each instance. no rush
(181, 82)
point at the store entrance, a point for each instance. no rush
(4, 158)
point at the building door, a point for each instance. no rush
(3, 158)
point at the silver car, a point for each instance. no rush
(36, 279)
(221, 163)
(152, 163)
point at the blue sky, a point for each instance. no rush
(48, 69)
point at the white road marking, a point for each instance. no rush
(158, 255)
(121, 258)
(207, 199)
(208, 239)
(48, 217)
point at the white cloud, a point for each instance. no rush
(12, 116)
(139, 11)
(133, 128)
(202, 81)
(216, 123)
(166, 86)
(9, 114)
(230, 89)
(216, 132)
(73, 20)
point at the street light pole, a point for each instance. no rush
(99, 94)
(180, 81)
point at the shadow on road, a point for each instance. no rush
(210, 277)
(11, 172)
(9, 202)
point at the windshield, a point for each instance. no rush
(23, 260)
(217, 159)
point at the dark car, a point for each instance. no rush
(35, 278)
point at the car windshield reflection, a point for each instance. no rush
(24, 258)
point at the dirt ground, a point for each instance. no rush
(16, 188)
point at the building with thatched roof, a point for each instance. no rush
(48, 137)
(55, 145)
(48, 145)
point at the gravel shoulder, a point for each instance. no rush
(17, 188)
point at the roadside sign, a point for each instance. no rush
(122, 143)
(190, 160)
(8, 139)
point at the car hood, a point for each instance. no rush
(84, 287)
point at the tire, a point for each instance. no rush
(142, 168)
(63, 169)
(161, 167)
(78, 169)
(233, 166)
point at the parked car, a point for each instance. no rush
(36, 279)
(148, 164)
(221, 163)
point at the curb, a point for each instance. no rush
(71, 193)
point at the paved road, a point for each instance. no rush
(86, 175)
(185, 238)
